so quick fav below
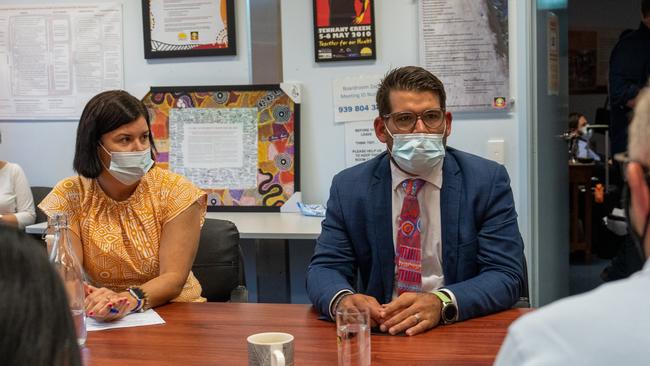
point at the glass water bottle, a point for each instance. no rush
(69, 268)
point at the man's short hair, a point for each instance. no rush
(574, 118)
(645, 8)
(408, 78)
(104, 113)
(639, 130)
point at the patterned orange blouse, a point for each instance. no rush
(121, 239)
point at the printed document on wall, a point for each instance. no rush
(54, 58)
(465, 44)
(215, 147)
(361, 143)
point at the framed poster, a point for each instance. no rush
(188, 28)
(240, 144)
(344, 30)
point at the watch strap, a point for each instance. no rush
(443, 297)
(447, 305)
(142, 301)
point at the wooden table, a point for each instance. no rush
(580, 175)
(215, 334)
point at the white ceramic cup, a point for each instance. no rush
(270, 349)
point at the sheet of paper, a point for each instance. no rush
(149, 317)
(361, 144)
(54, 58)
(214, 147)
(354, 98)
(465, 44)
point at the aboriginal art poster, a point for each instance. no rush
(240, 144)
(344, 30)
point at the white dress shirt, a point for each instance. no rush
(606, 326)
(430, 237)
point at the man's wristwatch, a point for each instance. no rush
(449, 310)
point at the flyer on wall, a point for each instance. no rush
(344, 30)
(466, 44)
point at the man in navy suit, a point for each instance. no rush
(468, 257)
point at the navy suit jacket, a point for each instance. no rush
(482, 249)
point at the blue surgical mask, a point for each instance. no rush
(417, 153)
(129, 167)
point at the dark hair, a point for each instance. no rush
(104, 113)
(574, 118)
(645, 8)
(35, 319)
(408, 78)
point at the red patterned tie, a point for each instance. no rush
(408, 258)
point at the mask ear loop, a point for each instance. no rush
(109, 154)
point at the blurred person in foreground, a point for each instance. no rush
(608, 325)
(36, 325)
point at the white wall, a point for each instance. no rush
(45, 149)
(397, 34)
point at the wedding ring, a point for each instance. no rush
(417, 317)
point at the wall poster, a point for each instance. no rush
(465, 44)
(240, 144)
(54, 58)
(344, 30)
(186, 28)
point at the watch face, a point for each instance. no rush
(138, 292)
(449, 313)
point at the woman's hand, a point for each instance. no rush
(105, 305)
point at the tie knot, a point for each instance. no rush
(412, 186)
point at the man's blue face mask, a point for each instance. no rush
(417, 153)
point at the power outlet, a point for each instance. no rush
(497, 151)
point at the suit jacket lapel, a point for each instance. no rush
(449, 215)
(381, 198)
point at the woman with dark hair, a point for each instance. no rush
(35, 320)
(135, 227)
(581, 137)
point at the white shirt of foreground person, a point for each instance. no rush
(16, 195)
(607, 326)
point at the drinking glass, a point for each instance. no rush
(353, 337)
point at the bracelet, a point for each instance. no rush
(142, 300)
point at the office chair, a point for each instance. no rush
(219, 265)
(39, 194)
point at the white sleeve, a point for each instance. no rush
(25, 213)
(510, 353)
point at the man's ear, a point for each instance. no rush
(380, 129)
(448, 119)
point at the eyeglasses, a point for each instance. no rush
(405, 121)
(624, 159)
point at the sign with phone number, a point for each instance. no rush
(354, 98)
